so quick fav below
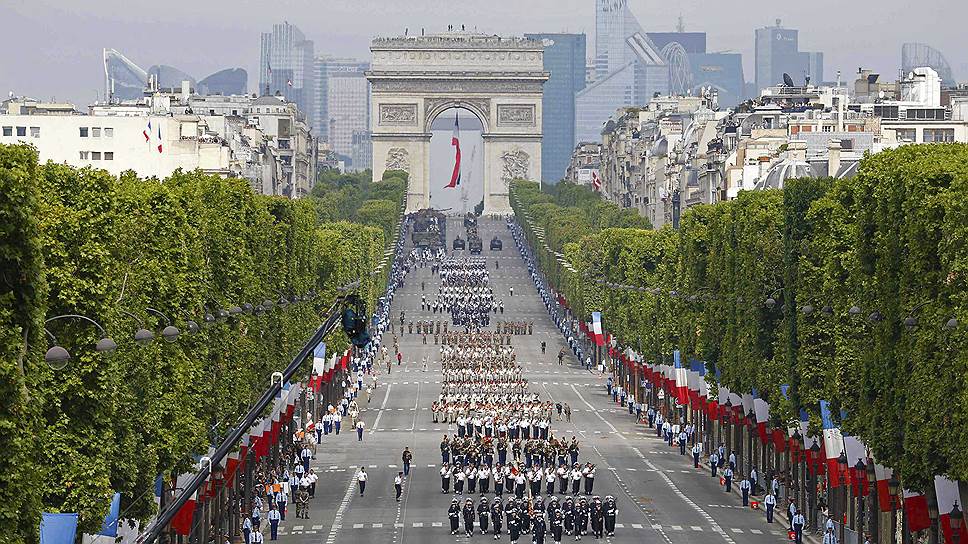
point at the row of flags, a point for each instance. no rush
(148, 133)
(688, 384)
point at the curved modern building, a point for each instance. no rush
(919, 55)
(169, 77)
(231, 81)
(123, 79)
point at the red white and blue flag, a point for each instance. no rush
(159, 137)
(455, 141)
(596, 180)
(147, 132)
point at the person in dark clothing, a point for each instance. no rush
(514, 527)
(468, 513)
(497, 517)
(598, 518)
(538, 530)
(454, 514)
(483, 513)
(611, 512)
(581, 519)
(557, 525)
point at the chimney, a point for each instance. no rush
(833, 158)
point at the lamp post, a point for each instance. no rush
(57, 356)
(795, 443)
(872, 507)
(842, 466)
(955, 519)
(751, 422)
(859, 475)
(893, 487)
(815, 460)
(933, 516)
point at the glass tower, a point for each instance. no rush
(286, 66)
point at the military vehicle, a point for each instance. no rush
(470, 220)
(459, 243)
(496, 244)
(475, 244)
(429, 229)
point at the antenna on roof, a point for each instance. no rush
(681, 25)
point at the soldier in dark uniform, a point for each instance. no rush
(410, 327)
(611, 512)
(445, 450)
(483, 512)
(454, 514)
(525, 513)
(468, 512)
(569, 510)
(581, 518)
(499, 480)
(557, 524)
(514, 526)
(538, 528)
(598, 518)
(497, 513)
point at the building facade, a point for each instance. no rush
(564, 59)
(287, 66)
(349, 110)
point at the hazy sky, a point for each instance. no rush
(52, 48)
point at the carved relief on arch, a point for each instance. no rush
(398, 158)
(517, 165)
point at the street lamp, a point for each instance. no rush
(952, 324)
(955, 520)
(770, 301)
(142, 336)
(170, 332)
(57, 356)
(854, 310)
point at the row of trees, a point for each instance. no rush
(850, 291)
(81, 241)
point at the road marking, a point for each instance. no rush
(736, 530)
(696, 528)
(715, 526)
(297, 528)
(418, 524)
(317, 527)
(636, 525)
(676, 527)
(756, 531)
(607, 422)
(376, 422)
(343, 505)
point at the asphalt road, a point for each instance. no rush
(661, 498)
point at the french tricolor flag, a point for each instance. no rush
(762, 411)
(833, 444)
(947, 493)
(455, 141)
(182, 522)
(147, 132)
(159, 137)
(916, 510)
(597, 328)
(319, 366)
(883, 475)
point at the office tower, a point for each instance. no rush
(629, 69)
(721, 71)
(778, 52)
(324, 68)
(564, 58)
(286, 66)
(692, 42)
(348, 99)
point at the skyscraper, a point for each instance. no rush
(564, 58)
(327, 66)
(348, 110)
(286, 66)
(778, 52)
(629, 69)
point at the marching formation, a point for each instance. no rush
(504, 442)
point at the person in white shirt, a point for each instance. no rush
(445, 474)
(359, 430)
(274, 517)
(361, 480)
(257, 538)
(246, 529)
(770, 502)
(398, 485)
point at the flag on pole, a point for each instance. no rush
(159, 137)
(455, 141)
(947, 493)
(833, 444)
(596, 181)
(598, 336)
(147, 132)
(916, 510)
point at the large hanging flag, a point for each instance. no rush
(596, 181)
(455, 141)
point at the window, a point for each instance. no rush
(84, 155)
(828, 128)
(235, 112)
(908, 135)
(109, 155)
(108, 132)
(21, 131)
(83, 132)
(95, 132)
(8, 131)
(35, 132)
(95, 155)
(932, 135)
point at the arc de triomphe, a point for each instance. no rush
(416, 78)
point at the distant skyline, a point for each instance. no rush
(53, 47)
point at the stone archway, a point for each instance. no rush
(500, 80)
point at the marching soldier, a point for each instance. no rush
(445, 474)
(538, 528)
(611, 512)
(728, 477)
(468, 513)
(589, 474)
(696, 451)
(581, 518)
(497, 517)
(454, 514)
(744, 489)
(483, 511)
(569, 510)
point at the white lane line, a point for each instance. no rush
(376, 422)
(675, 489)
(343, 505)
(592, 408)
